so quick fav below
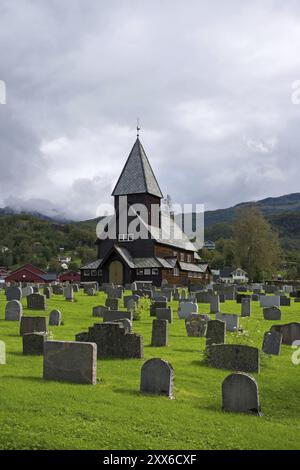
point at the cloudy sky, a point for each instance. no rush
(210, 80)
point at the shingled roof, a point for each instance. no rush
(137, 175)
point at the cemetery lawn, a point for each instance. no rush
(37, 414)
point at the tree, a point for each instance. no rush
(257, 245)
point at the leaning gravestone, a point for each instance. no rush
(33, 343)
(290, 332)
(32, 324)
(55, 318)
(215, 333)
(157, 378)
(13, 293)
(272, 313)
(164, 314)
(159, 333)
(70, 361)
(240, 394)
(36, 302)
(272, 342)
(13, 310)
(195, 326)
(231, 320)
(234, 357)
(246, 307)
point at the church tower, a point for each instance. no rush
(138, 183)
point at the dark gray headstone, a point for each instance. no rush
(290, 332)
(159, 333)
(33, 324)
(231, 320)
(36, 302)
(33, 343)
(240, 394)
(99, 310)
(113, 315)
(13, 310)
(238, 357)
(164, 314)
(55, 318)
(195, 326)
(272, 313)
(272, 342)
(70, 361)
(157, 378)
(215, 333)
(113, 304)
(13, 293)
(246, 307)
(113, 341)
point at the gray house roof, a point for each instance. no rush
(137, 175)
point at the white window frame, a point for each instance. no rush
(147, 272)
(140, 272)
(86, 272)
(155, 271)
(126, 237)
(176, 272)
(182, 257)
(189, 258)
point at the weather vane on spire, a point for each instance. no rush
(138, 127)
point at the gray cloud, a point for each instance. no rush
(211, 82)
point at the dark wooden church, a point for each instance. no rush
(159, 254)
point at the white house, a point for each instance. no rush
(231, 276)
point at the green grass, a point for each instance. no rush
(36, 414)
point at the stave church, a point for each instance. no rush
(134, 244)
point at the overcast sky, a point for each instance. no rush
(210, 80)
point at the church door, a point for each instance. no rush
(116, 272)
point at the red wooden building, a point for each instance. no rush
(30, 273)
(70, 276)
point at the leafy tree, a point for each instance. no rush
(257, 244)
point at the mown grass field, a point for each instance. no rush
(36, 414)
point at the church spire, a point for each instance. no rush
(137, 176)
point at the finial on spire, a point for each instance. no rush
(138, 127)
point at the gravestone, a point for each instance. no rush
(215, 333)
(36, 302)
(13, 310)
(33, 324)
(214, 304)
(13, 293)
(157, 377)
(99, 310)
(57, 290)
(157, 304)
(195, 326)
(69, 293)
(27, 291)
(272, 342)
(234, 357)
(246, 307)
(186, 308)
(127, 324)
(113, 315)
(159, 333)
(164, 314)
(33, 343)
(113, 341)
(269, 301)
(231, 320)
(70, 361)
(55, 318)
(113, 304)
(285, 301)
(240, 394)
(290, 332)
(47, 292)
(272, 313)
